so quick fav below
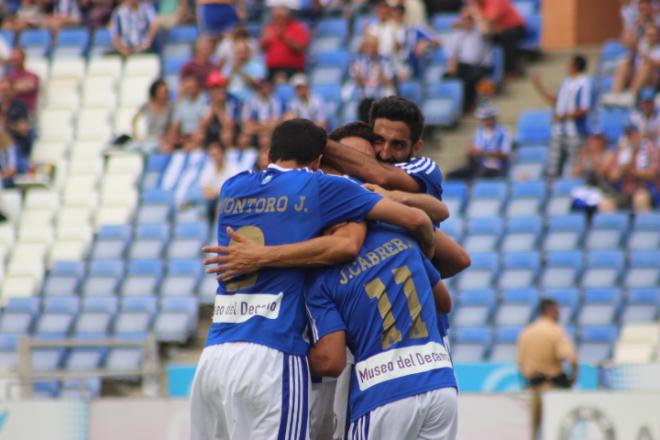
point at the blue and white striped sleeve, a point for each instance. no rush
(427, 173)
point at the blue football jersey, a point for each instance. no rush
(384, 302)
(426, 172)
(274, 207)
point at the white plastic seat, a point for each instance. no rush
(60, 86)
(633, 353)
(93, 125)
(12, 203)
(55, 117)
(113, 215)
(86, 166)
(64, 101)
(42, 199)
(39, 66)
(48, 152)
(67, 67)
(37, 217)
(123, 121)
(109, 65)
(87, 149)
(130, 164)
(19, 286)
(28, 253)
(59, 133)
(7, 236)
(75, 232)
(133, 91)
(68, 250)
(31, 234)
(142, 65)
(99, 92)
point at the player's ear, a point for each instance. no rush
(417, 147)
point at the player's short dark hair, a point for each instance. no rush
(364, 108)
(353, 129)
(545, 304)
(396, 108)
(297, 139)
(580, 63)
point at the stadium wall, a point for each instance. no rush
(568, 23)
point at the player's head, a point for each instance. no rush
(357, 135)
(549, 308)
(577, 64)
(397, 124)
(298, 140)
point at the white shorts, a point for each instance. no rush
(340, 407)
(322, 420)
(427, 416)
(249, 391)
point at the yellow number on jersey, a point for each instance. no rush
(248, 280)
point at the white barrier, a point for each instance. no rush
(43, 419)
(601, 415)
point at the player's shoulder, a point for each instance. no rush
(418, 165)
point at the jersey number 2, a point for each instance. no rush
(391, 334)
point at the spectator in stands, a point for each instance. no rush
(261, 113)
(214, 174)
(25, 84)
(284, 42)
(244, 71)
(384, 29)
(500, 20)
(157, 113)
(134, 27)
(263, 160)
(543, 347)
(572, 105)
(5, 52)
(30, 14)
(591, 161)
(65, 13)
(201, 64)
(488, 153)
(633, 171)
(188, 112)
(371, 74)
(226, 51)
(97, 13)
(219, 123)
(470, 56)
(185, 12)
(216, 18)
(11, 161)
(413, 43)
(15, 118)
(635, 16)
(305, 105)
(641, 69)
(646, 117)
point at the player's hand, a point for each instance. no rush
(378, 190)
(241, 257)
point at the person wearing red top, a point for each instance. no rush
(201, 65)
(501, 20)
(284, 42)
(25, 84)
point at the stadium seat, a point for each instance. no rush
(519, 270)
(81, 388)
(529, 164)
(111, 242)
(453, 227)
(612, 120)
(71, 42)
(99, 92)
(517, 307)
(68, 68)
(596, 343)
(142, 65)
(606, 231)
(443, 22)
(35, 42)
(483, 234)
(444, 103)
(48, 359)
(326, 76)
(149, 241)
(64, 278)
(328, 92)
(600, 307)
(95, 319)
(135, 317)
(504, 347)
(101, 43)
(8, 352)
(182, 34)
(103, 277)
(533, 26)
(644, 269)
(19, 315)
(564, 232)
(521, 234)
(568, 300)
(182, 278)
(470, 344)
(475, 308)
(156, 206)
(124, 359)
(526, 199)
(325, 44)
(561, 200)
(454, 194)
(57, 317)
(534, 127)
(142, 278)
(637, 344)
(177, 319)
(645, 234)
(338, 59)
(562, 269)
(331, 27)
(411, 90)
(93, 125)
(85, 359)
(487, 200)
(642, 305)
(156, 164)
(188, 240)
(602, 269)
(106, 66)
(480, 274)
(207, 289)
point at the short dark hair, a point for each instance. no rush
(364, 109)
(153, 88)
(545, 304)
(297, 139)
(353, 129)
(396, 108)
(580, 62)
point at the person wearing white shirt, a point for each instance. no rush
(646, 118)
(572, 104)
(214, 174)
(384, 29)
(305, 105)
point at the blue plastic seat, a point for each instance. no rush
(328, 92)
(645, 234)
(602, 269)
(534, 127)
(471, 344)
(188, 240)
(642, 305)
(560, 200)
(111, 242)
(155, 207)
(444, 103)
(483, 234)
(71, 42)
(123, 359)
(135, 318)
(149, 241)
(173, 65)
(326, 75)
(327, 43)
(612, 120)
(600, 307)
(454, 194)
(453, 227)
(8, 352)
(207, 289)
(644, 269)
(81, 388)
(504, 346)
(487, 200)
(475, 308)
(521, 234)
(64, 278)
(480, 274)
(182, 34)
(517, 307)
(284, 92)
(519, 270)
(57, 317)
(533, 25)
(19, 316)
(101, 42)
(339, 59)
(331, 27)
(596, 343)
(530, 163)
(443, 22)
(96, 317)
(564, 232)
(177, 319)
(411, 90)
(568, 300)
(525, 7)
(182, 277)
(142, 278)
(526, 198)
(562, 269)
(35, 42)
(103, 277)
(606, 231)
(85, 359)
(8, 36)
(156, 164)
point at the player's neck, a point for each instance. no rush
(327, 169)
(288, 164)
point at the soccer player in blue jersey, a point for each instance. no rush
(252, 380)
(383, 306)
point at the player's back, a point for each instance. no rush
(386, 302)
